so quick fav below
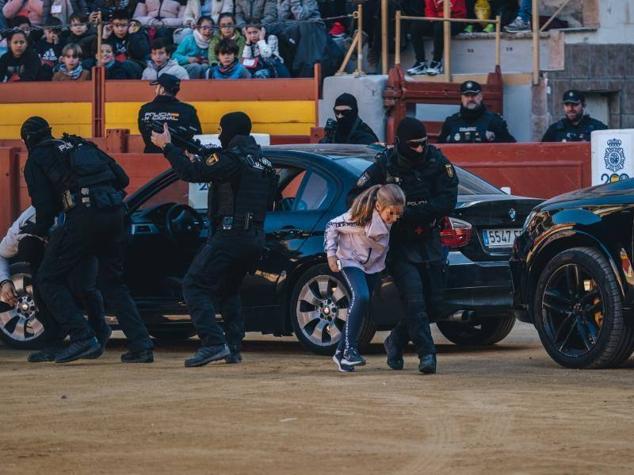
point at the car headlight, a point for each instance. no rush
(528, 219)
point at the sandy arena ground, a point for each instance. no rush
(505, 409)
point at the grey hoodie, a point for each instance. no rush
(364, 247)
(171, 67)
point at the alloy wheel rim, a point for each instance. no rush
(572, 311)
(322, 310)
(20, 323)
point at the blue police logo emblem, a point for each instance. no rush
(512, 214)
(614, 155)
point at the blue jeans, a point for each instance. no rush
(361, 286)
(525, 10)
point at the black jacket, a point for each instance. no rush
(480, 126)
(135, 46)
(118, 71)
(165, 109)
(431, 191)
(360, 134)
(25, 68)
(566, 131)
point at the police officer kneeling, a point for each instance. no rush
(474, 123)
(242, 187)
(577, 126)
(416, 260)
(74, 176)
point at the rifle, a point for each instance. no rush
(183, 137)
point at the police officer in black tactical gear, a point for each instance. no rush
(577, 126)
(474, 123)
(348, 127)
(242, 183)
(416, 259)
(166, 108)
(75, 177)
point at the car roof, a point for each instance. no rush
(331, 151)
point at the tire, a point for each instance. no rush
(318, 310)
(578, 311)
(486, 331)
(19, 326)
(172, 335)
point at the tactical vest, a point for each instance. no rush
(472, 132)
(251, 194)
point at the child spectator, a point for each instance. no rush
(114, 69)
(108, 7)
(32, 9)
(193, 52)
(261, 55)
(210, 8)
(79, 32)
(255, 11)
(161, 63)
(130, 49)
(356, 244)
(160, 13)
(228, 66)
(63, 9)
(20, 62)
(49, 48)
(226, 30)
(70, 68)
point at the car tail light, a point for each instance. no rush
(455, 233)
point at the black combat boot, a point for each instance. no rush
(102, 337)
(427, 364)
(394, 354)
(78, 349)
(48, 353)
(143, 356)
(207, 354)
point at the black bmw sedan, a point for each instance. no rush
(292, 290)
(573, 277)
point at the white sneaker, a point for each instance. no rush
(435, 67)
(517, 26)
(419, 68)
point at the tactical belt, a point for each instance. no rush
(243, 222)
(84, 197)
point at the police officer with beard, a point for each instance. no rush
(348, 128)
(577, 126)
(474, 123)
(242, 184)
(416, 259)
(74, 176)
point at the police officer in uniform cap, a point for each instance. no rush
(242, 184)
(576, 126)
(474, 123)
(348, 127)
(416, 259)
(166, 108)
(74, 176)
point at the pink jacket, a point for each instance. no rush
(170, 12)
(364, 247)
(33, 9)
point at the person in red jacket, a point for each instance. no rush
(420, 29)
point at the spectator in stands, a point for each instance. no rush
(228, 66)
(420, 29)
(165, 108)
(107, 8)
(20, 62)
(63, 9)
(474, 123)
(3, 20)
(130, 49)
(79, 33)
(32, 9)
(576, 126)
(226, 31)
(523, 20)
(70, 68)
(209, 8)
(261, 55)
(114, 69)
(162, 15)
(161, 63)
(193, 51)
(49, 48)
(347, 126)
(255, 11)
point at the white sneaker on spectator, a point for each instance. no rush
(419, 68)
(435, 67)
(517, 26)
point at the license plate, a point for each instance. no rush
(500, 237)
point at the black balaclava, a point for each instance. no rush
(410, 129)
(34, 130)
(232, 124)
(345, 123)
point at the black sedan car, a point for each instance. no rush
(292, 290)
(573, 278)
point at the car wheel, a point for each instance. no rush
(169, 335)
(19, 326)
(486, 331)
(319, 309)
(578, 311)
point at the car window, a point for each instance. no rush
(176, 192)
(314, 193)
(289, 180)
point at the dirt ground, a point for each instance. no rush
(505, 409)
